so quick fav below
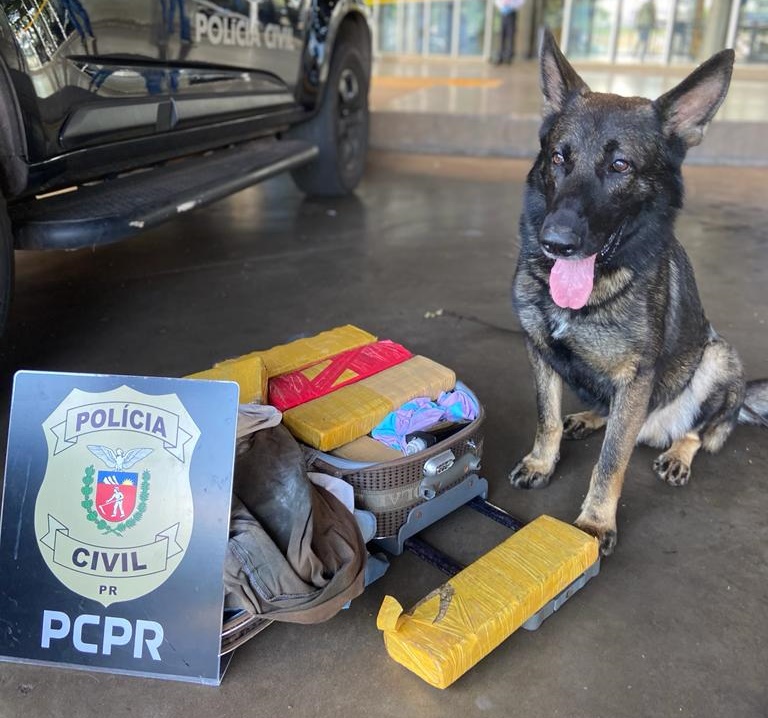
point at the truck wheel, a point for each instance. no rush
(339, 129)
(6, 264)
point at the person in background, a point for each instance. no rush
(645, 21)
(508, 10)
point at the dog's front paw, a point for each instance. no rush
(531, 473)
(672, 470)
(606, 535)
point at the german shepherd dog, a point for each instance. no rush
(606, 294)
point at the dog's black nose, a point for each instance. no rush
(560, 241)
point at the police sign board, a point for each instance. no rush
(115, 521)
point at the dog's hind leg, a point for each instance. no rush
(719, 426)
(674, 465)
(535, 469)
(581, 425)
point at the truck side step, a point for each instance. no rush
(117, 208)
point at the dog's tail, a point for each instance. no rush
(755, 407)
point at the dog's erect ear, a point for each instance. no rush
(558, 79)
(687, 109)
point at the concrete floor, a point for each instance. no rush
(675, 624)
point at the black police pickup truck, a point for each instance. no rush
(205, 97)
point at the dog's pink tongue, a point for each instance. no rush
(570, 282)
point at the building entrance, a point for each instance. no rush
(614, 31)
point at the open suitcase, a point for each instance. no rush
(406, 495)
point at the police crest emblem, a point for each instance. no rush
(116, 490)
(114, 514)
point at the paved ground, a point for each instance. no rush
(675, 623)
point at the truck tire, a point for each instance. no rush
(6, 264)
(339, 129)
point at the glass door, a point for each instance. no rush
(591, 31)
(440, 27)
(414, 28)
(387, 27)
(751, 43)
(472, 27)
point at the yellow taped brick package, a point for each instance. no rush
(252, 371)
(451, 629)
(352, 411)
(249, 373)
(303, 352)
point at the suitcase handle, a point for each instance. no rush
(444, 469)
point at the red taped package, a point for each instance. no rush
(297, 387)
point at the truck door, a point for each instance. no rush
(96, 71)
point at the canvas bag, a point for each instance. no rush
(295, 552)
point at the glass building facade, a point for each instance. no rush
(615, 31)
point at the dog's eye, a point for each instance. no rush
(557, 158)
(621, 166)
